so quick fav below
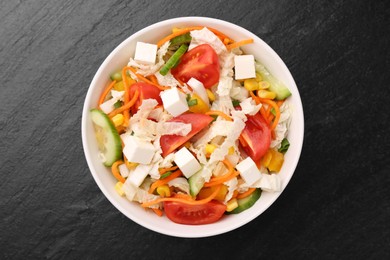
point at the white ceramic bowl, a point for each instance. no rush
(119, 58)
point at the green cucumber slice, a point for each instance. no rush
(109, 141)
(196, 182)
(276, 86)
(247, 202)
(173, 60)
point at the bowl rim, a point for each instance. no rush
(87, 106)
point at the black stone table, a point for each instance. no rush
(337, 205)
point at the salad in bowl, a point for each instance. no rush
(194, 128)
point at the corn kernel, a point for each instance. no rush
(119, 86)
(118, 120)
(264, 84)
(266, 94)
(130, 165)
(210, 95)
(231, 150)
(119, 188)
(231, 205)
(210, 148)
(200, 107)
(251, 84)
(164, 191)
(259, 77)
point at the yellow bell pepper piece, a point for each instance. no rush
(200, 106)
(119, 188)
(210, 95)
(251, 84)
(118, 120)
(276, 161)
(209, 149)
(207, 191)
(231, 205)
(266, 158)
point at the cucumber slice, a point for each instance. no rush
(196, 182)
(107, 136)
(247, 202)
(276, 86)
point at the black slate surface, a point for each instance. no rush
(337, 203)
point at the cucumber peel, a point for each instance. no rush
(247, 202)
(276, 86)
(196, 182)
(109, 141)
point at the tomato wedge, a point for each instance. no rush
(194, 214)
(146, 91)
(201, 63)
(256, 137)
(169, 143)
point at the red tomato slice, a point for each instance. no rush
(169, 143)
(194, 214)
(257, 137)
(201, 63)
(146, 91)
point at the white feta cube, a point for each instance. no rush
(248, 171)
(145, 53)
(138, 151)
(244, 66)
(123, 170)
(186, 162)
(139, 174)
(270, 183)
(199, 89)
(174, 101)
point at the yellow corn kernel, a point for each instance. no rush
(210, 148)
(259, 77)
(231, 150)
(119, 188)
(276, 161)
(251, 84)
(130, 165)
(231, 205)
(210, 95)
(200, 107)
(207, 191)
(164, 191)
(264, 84)
(266, 94)
(118, 120)
(119, 86)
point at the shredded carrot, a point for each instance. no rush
(126, 113)
(235, 194)
(105, 92)
(221, 179)
(277, 111)
(140, 77)
(219, 113)
(158, 212)
(246, 194)
(242, 141)
(126, 106)
(153, 78)
(164, 181)
(239, 44)
(164, 170)
(263, 112)
(115, 171)
(280, 103)
(188, 29)
(184, 200)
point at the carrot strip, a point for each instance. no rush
(219, 113)
(263, 112)
(158, 212)
(140, 77)
(277, 111)
(115, 171)
(153, 78)
(182, 200)
(228, 176)
(239, 44)
(246, 194)
(164, 170)
(242, 141)
(126, 113)
(164, 181)
(188, 29)
(280, 103)
(105, 92)
(126, 106)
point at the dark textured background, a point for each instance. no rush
(337, 204)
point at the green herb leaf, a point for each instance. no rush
(118, 104)
(192, 102)
(284, 146)
(235, 103)
(273, 111)
(164, 175)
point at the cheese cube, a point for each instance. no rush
(244, 67)
(270, 183)
(174, 101)
(248, 171)
(186, 162)
(139, 174)
(145, 53)
(138, 151)
(199, 89)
